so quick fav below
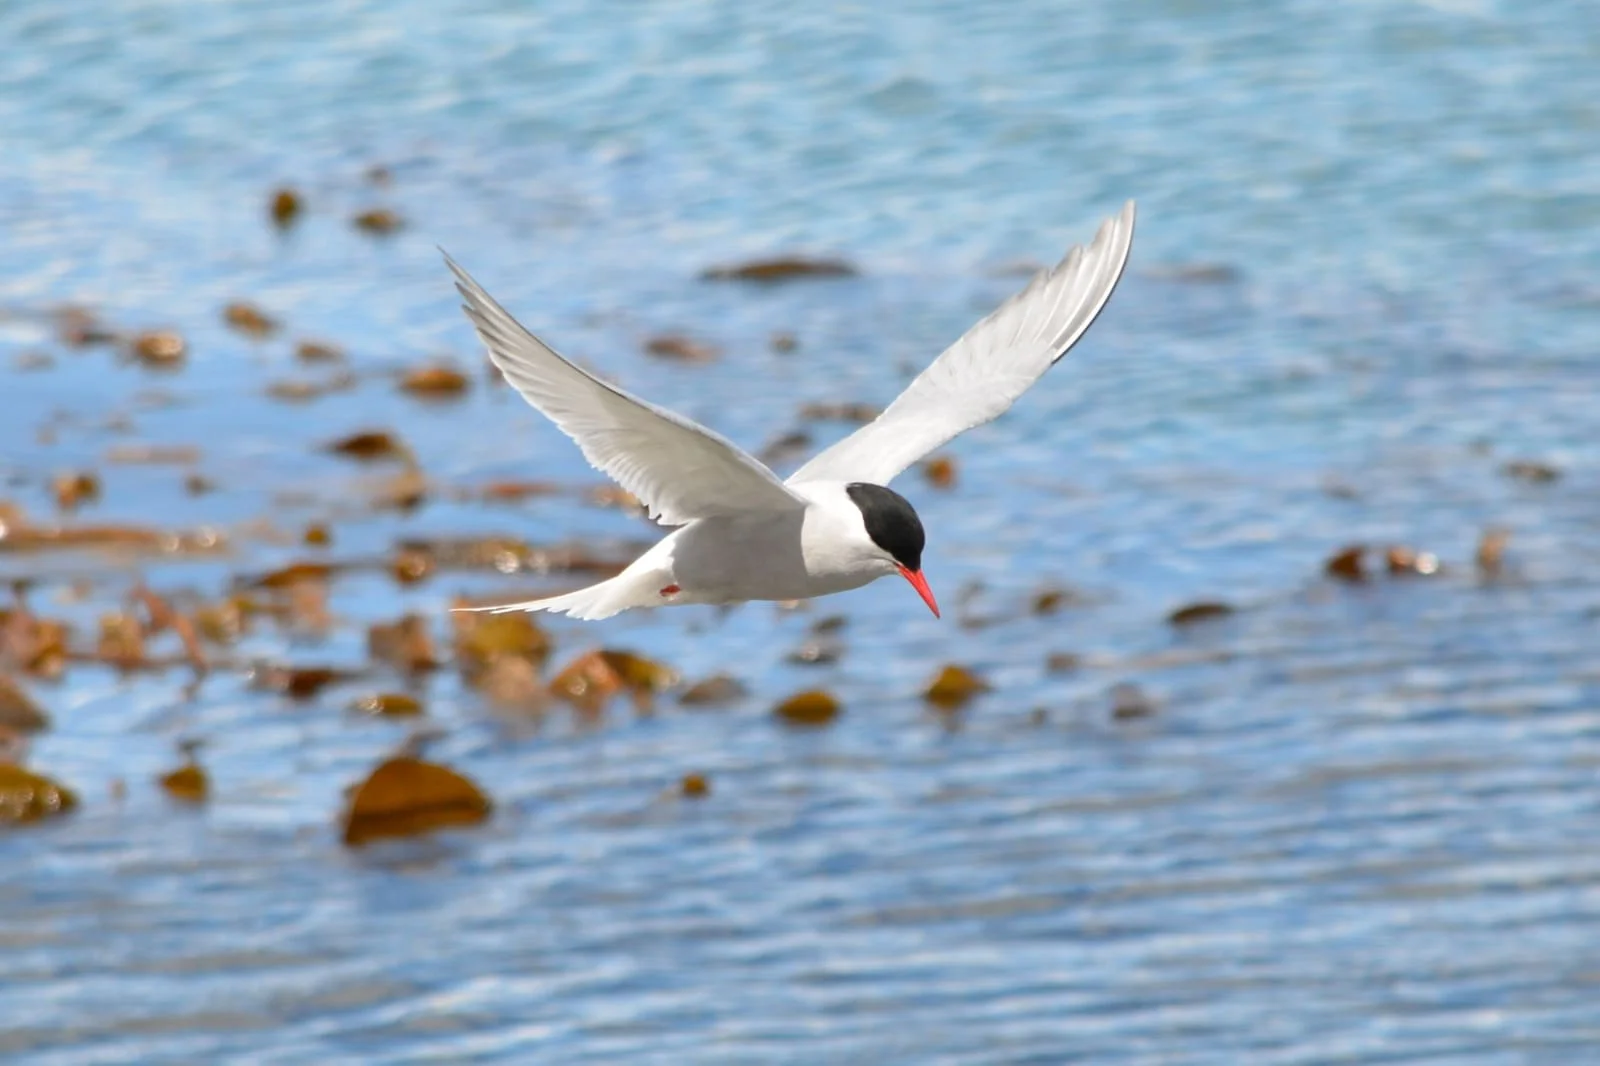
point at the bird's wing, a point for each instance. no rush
(983, 373)
(679, 470)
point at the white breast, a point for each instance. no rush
(792, 555)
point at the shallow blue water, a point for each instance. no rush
(1357, 826)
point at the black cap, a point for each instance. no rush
(891, 522)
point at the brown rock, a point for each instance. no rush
(1532, 471)
(162, 349)
(838, 412)
(1129, 702)
(714, 691)
(312, 351)
(249, 319)
(410, 566)
(512, 682)
(388, 705)
(405, 644)
(1063, 662)
(300, 682)
(1202, 611)
(405, 796)
(810, 709)
(18, 711)
(677, 346)
(1050, 600)
(121, 640)
(588, 682)
(516, 491)
(28, 797)
(780, 268)
(642, 677)
(293, 574)
(940, 471)
(189, 783)
(1403, 561)
(434, 382)
(482, 637)
(71, 490)
(816, 651)
(1491, 551)
(953, 687)
(79, 327)
(379, 222)
(1347, 564)
(369, 446)
(284, 208)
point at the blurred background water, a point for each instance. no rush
(1356, 825)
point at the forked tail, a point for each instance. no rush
(589, 604)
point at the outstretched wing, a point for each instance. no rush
(983, 373)
(679, 470)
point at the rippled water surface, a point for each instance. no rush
(1358, 824)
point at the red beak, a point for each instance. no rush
(920, 583)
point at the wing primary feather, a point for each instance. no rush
(979, 376)
(678, 469)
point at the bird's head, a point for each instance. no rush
(895, 533)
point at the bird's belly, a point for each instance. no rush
(729, 561)
(760, 587)
(757, 581)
